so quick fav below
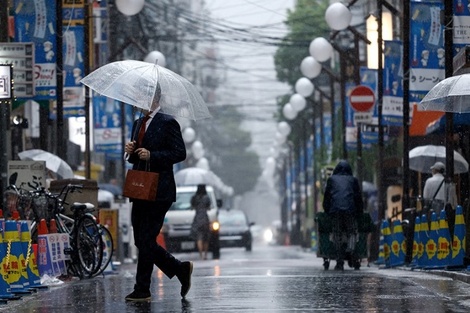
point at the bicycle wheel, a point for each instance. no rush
(89, 244)
(108, 247)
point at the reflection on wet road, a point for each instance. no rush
(269, 279)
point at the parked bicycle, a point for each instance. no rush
(91, 247)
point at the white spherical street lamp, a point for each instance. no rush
(310, 68)
(284, 128)
(321, 49)
(156, 57)
(338, 16)
(189, 134)
(289, 112)
(197, 149)
(298, 102)
(130, 7)
(304, 87)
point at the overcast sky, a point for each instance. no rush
(248, 56)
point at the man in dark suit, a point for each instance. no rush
(160, 148)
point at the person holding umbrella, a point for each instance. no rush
(158, 146)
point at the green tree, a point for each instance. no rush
(305, 23)
(226, 148)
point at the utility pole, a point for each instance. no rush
(4, 109)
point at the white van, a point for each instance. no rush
(178, 220)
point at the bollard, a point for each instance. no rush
(458, 241)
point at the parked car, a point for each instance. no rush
(235, 229)
(177, 224)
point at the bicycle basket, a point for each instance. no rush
(43, 207)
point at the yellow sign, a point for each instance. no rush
(431, 248)
(443, 248)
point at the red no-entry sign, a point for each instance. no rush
(362, 98)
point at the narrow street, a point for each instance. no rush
(268, 279)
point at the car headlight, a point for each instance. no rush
(268, 235)
(215, 225)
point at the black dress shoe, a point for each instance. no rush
(139, 296)
(184, 277)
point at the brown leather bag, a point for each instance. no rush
(141, 185)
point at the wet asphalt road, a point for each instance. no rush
(268, 279)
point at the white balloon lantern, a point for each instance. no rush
(310, 68)
(298, 102)
(189, 135)
(203, 163)
(280, 138)
(156, 57)
(289, 112)
(304, 87)
(284, 128)
(197, 149)
(338, 16)
(130, 7)
(320, 49)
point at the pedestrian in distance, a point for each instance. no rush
(158, 147)
(343, 203)
(200, 227)
(434, 194)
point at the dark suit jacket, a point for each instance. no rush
(164, 141)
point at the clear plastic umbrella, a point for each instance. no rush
(449, 95)
(53, 162)
(138, 83)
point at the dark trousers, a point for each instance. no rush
(147, 220)
(344, 234)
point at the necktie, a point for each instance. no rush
(140, 137)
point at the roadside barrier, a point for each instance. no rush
(431, 243)
(5, 290)
(313, 241)
(387, 242)
(416, 243)
(444, 255)
(30, 259)
(44, 257)
(381, 258)
(458, 240)
(15, 260)
(398, 247)
(423, 238)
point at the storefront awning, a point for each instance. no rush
(439, 125)
(421, 119)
